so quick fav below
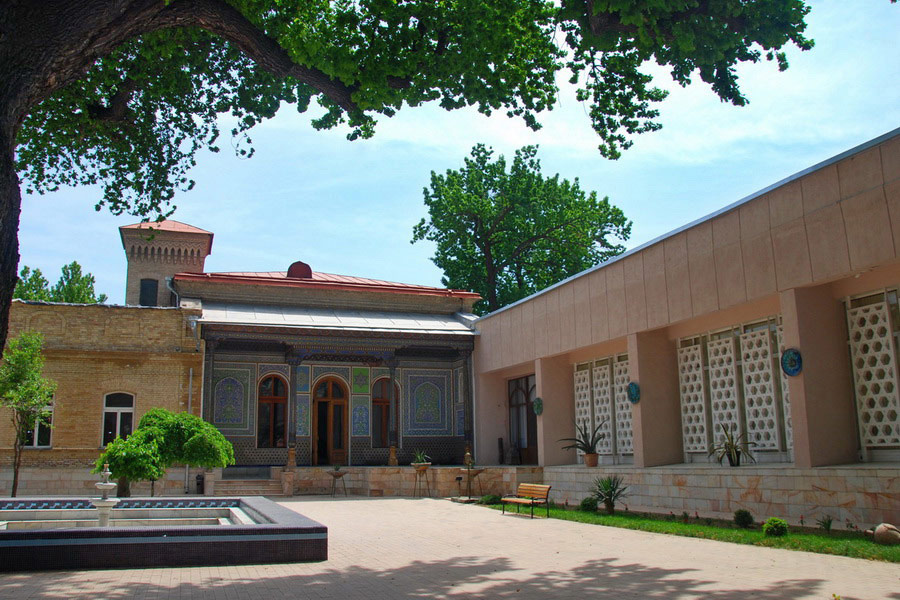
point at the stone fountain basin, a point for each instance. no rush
(261, 532)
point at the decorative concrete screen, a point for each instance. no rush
(735, 380)
(624, 435)
(874, 363)
(760, 399)
(603, 405)
(583, 417)
(692, 384)
(785, 389)
(601, 400)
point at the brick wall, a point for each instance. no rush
(91, 351)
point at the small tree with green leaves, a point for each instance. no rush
(25, 391)
(163, 439)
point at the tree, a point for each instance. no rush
(125, 93)
(162, 439)
(509, 234)
(25, 392)
(73, 286)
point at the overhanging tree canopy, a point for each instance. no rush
(125, 92)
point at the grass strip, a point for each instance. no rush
(841, 543)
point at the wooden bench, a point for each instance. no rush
(529, 494)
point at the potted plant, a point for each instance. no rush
(420, 460)
(586, 441)
(732, 447)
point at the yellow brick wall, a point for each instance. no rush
(91, 351)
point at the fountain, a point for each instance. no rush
(104, 504)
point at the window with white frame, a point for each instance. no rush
(39, 435)
(118, 416)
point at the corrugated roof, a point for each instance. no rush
(331, 319)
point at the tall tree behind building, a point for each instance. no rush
(73, 286)
(508, 234)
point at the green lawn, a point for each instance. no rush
(843, 543)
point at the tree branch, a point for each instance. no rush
(116, 110)
(539, 236)
(223, 20)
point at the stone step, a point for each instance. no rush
(248, 487)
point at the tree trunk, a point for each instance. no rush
(10, 203)
(17, 462)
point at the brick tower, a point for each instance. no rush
(155, 252)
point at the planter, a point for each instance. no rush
(590, 460)
(734, 458)
(420, 466)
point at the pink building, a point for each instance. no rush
(698, 321)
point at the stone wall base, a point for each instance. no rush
(79, 481)
(864, 494)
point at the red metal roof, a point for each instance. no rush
(167, 225)
(324, 281)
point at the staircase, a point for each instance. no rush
(248, 487)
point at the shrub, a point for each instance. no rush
(589, 504)
(743, 518)
(609, 490)
(775, 527)
(825, 523)
(489, 499)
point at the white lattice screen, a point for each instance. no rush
(603, 407)
(760, 398)
(624, 434)
(693, 402)
(785, 390)
(875, 374)
(723, 390)
(583, 399)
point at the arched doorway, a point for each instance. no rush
(271, 418)
(330, 422)
(381, 411)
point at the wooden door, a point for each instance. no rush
(330, 423)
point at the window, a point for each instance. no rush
(271, 424)
(522, 420)
(118, 416)
(381, 411)
(39, 436)
(149, 288)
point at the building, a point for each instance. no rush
(696, 322)
(662, 349)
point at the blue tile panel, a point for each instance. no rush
(360, 415)
(426, 402)
(303, 415)
(302, 379)
(233, 398)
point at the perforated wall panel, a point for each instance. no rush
(723, 389)
(624, 434)
(760, 400)
(875, 374)
(603, 407)
(785, 390)
(693, 404)
(583, 399)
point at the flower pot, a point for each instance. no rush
(590, 460)
(734, 458)
(420, 466)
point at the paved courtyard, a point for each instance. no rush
(422, 548)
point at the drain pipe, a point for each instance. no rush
(187, 484)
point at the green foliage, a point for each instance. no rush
(25, 391)
(73, 287)
(731, 446)
(825, 523)
(586, 439)
(419, 456)
(509, 233)
(743, 518)
(162, 439)
(489, 499)
(136, 119)
(588, 504)
(775, 527)
(136, 458)
(609, 490)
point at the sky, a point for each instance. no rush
(350, 207)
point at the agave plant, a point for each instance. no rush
(585, 440)
(732, 447)
(609, 490)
